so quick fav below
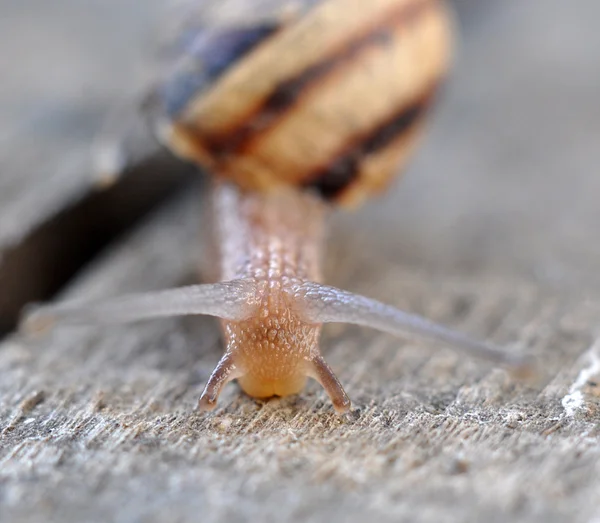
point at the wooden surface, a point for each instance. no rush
(54, 101)
(493, 231)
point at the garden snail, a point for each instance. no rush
(291, 113)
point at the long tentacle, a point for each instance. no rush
(323, 304)
(233, 300)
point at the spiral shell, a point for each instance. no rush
(330, 97)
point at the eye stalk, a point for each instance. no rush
(324, 304)
(229, 300)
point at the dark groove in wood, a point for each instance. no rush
(43, 262)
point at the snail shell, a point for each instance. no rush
(314, 94)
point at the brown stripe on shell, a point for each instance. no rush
(344, 169)
(289, 92)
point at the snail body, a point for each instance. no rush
(272, 240)
(291, 113)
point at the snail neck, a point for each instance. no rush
(274, 237)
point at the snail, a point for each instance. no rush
(309, 106)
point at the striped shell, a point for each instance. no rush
(330, 96)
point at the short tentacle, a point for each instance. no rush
(233, 300)
(321, 371)
(323, 304)
(225, 372)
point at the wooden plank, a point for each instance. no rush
(97, 422)
(493, 232)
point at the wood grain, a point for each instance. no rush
(492, 231)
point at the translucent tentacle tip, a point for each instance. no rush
(524, 368)
(35, 322)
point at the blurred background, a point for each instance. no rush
(506, 184)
